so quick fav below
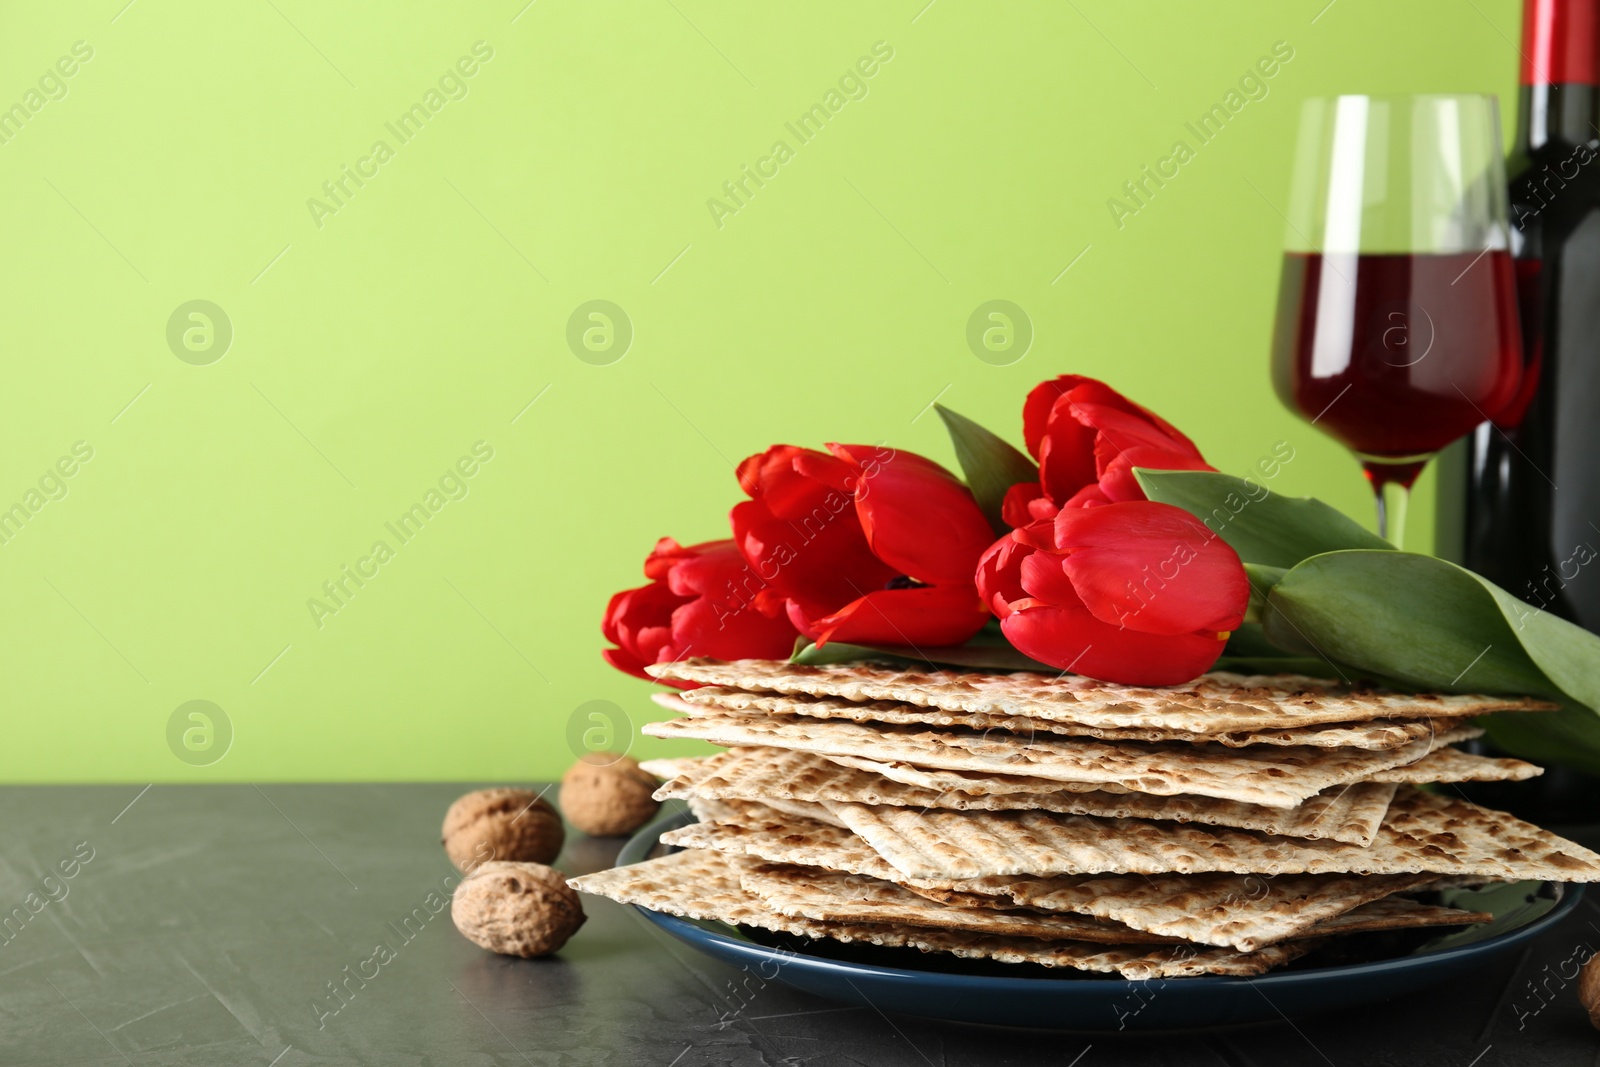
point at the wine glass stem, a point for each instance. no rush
(1392, 499)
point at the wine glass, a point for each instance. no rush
(1397, 322)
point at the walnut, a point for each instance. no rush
(501, 824)
(606, 793)
(516, 909)
(1589, 989)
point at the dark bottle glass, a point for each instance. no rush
(1520, 497)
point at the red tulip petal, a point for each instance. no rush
(1117, 481)
(1152, 567)
(704, 602)
(1098, 393)
(1089, 496)
(1078, 428)
(728, 630)
(917, 516)
(1127, 430)
(1057, 636)
(633, 609)
(770, 603)
(650, 643)
(821, 557)
(1014, 509)
(1066, 455)
(801, 619)
(749, 470)
(1072, 639)
(999, 576)
(773, 478)
(1040, 535)
(661, 558)
(925, 617)
(1043, 508)
(703, 568)
(623, 661)
(609, 621)
(830, 471)
(1041, 401)
(1045, 577)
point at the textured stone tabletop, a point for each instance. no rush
(210, 925)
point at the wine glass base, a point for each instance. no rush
(1392, 470)
(1391, 478)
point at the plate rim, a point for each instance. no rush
(638, 847)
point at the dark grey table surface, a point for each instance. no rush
(209, 925)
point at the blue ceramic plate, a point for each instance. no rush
(916, 983)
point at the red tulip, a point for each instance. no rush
(1136, 592)
(1088, 438)
(695, 604)
(863, 544)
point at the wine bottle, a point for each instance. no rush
(1519, 499)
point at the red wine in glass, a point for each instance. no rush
(1397, 354)
(1397, 314)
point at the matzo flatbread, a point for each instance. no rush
(668, 768)
(808, 892)
(975, 782)
(779, 838)
(813, 893)
(756, 773)
(1244, 911)
(1262, 774)
(717, 809)
(703, 885)
(774, 776)
(1397, 913)
(1441, 765)
(753, 812)
(1375, 734)
(1422, 832)
(1454, 765)
(1215, 703)
(711, 809)
(1241, 911)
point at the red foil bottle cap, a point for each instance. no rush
(1561, 42)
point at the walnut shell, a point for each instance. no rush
(501, 824)
(1589, 989)
(606, 793)
(516, 909)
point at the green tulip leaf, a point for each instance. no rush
(1260, 525)
(1429, 624)
(1513, 905)
(975, 655)
(1569, 737)
(1262, 578)
(1309, 666)
(1249, 640)
(1249, 652)
(991, 465)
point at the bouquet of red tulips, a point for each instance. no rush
(1115, 552)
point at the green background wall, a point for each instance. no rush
(371, 351)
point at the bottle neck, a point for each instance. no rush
(1559, 104)
(1561, 42)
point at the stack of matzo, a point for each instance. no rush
(1223, 827)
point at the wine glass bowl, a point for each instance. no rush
(1397, 327)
